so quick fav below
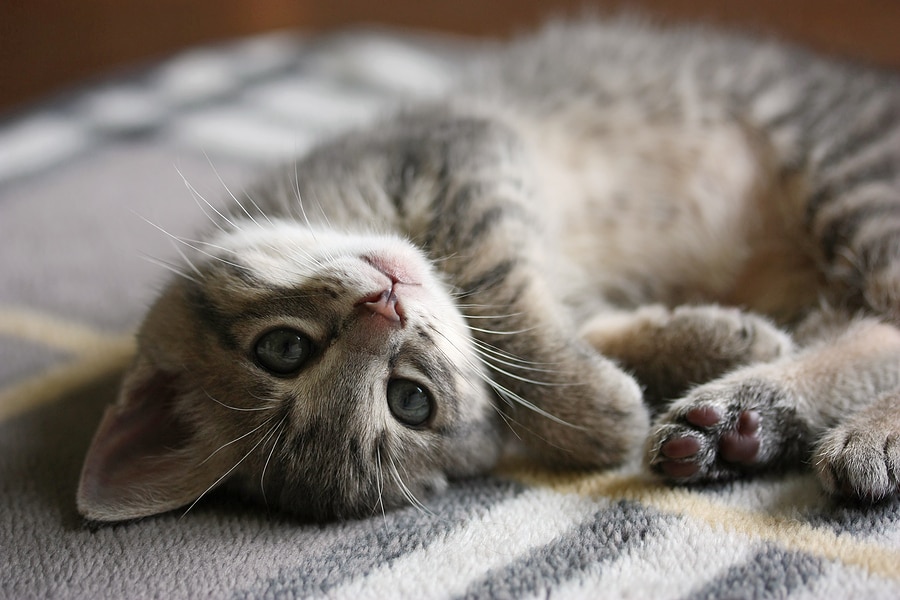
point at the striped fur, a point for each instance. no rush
(567, 227)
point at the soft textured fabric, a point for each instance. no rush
(91, 187)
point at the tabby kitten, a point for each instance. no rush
(604, 225)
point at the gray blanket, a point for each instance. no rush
(86, 183)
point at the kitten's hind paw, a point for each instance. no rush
(719, 431)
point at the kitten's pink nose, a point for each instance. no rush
(385, 304)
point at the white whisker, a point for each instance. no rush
(224, 185)
(505, 394)
(322, 210)
(379, 476)
(224, 475)
(168, 266)
(185, 258)
(300, 199)
(237, 408)
(511, 396)
(189, 243)
(262, 487)
(488, 356)
(197, 194)
(237, 439)
(492, 316)
(407, 493)
(498, 332)
(257, 207)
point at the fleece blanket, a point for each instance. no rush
(87, 179)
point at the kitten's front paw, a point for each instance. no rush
(670, 350)
(729, 336)
(720, 431)
(860, 460)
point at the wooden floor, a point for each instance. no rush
(47, 45)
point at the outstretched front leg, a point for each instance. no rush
(823, 400)
(670, 351)
(569, 405)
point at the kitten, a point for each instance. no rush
(605, 224)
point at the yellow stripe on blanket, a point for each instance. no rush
(53, 384)
(96, 354)
(51, 331)
(786, 532)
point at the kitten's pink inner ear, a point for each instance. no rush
(141, 461)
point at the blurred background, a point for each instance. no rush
(49, 45)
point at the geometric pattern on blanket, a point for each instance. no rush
(72, 290)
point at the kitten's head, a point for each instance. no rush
(328, 375)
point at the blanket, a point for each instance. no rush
(94, 183)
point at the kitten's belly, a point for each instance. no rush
(677, 215)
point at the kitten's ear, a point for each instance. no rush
(143, 459)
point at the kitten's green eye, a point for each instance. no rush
(282, 351)
(409, 402)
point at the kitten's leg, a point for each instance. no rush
(569, 405)
(861, 457)
(484, 229)
(770, 415)
(671, 350)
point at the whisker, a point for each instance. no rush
(257, 207)
(379, 476)
(407, 493)
(262, 487)
(197, 194)
(189, 243)
(498, 332)
(489, 352)
(237, 439)
(492, 316)
(168, 266)
(509, 395)
(185, 258)
(505, 394)
(300, 199)
(224, 185)
(493, 360)
(237, 408)
(322, 210)
(222, 477)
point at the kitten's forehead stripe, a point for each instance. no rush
(244, 273)
(490, 278)
(436, 372)
(299, 303)
(400, 181)
(211, 317)
(490, 218)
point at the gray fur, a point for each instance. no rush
(569, 225)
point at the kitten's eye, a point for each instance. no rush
(409, 402)
(283, 351)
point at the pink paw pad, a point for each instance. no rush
(742, 444)
(704, 416)
(682, 456)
